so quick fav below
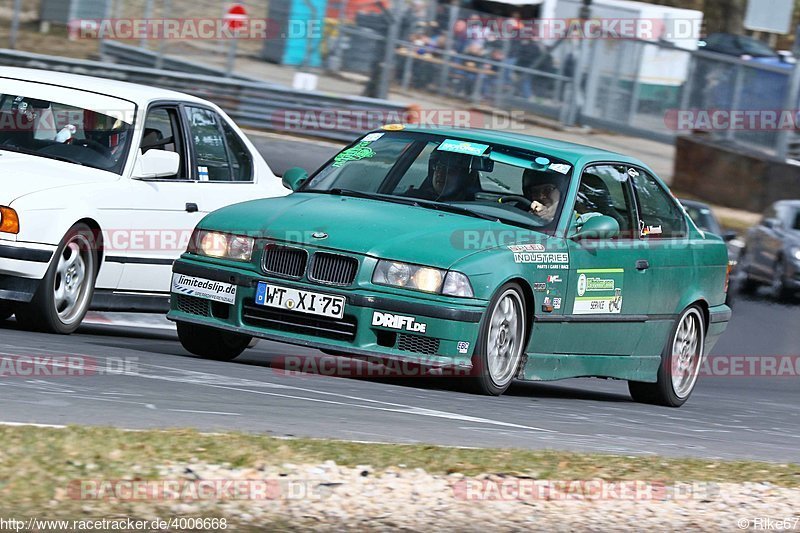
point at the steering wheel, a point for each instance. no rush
(521, 202)
(94, 145)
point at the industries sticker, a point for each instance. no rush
(599, 292)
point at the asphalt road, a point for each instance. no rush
(283, 152)
(149, 381)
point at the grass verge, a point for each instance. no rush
(36, 464)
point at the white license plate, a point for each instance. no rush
(309, 302)
(204, 288)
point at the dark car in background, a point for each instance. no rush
(703, 217)
(771, 254)
(743, 47)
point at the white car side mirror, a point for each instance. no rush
(156, 164)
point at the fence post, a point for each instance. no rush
(792, 96)
(15, 24)
(161, 43)
(634, 102)
(592, 82)
(444, 73)
(148, 13)
(336, 59)
(502, 75)
(387, 73)
(738, 85)
(688, 86)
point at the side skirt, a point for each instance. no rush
(121, 302)
(552, 367)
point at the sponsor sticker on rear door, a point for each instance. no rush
(204, 288)
(599, 291)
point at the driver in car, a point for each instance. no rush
(448, 179)
(543, 189)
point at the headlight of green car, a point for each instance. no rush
(422, 278)
(221, 245)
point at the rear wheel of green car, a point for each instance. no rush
(210, 343)
(680, 363)
(501, 342)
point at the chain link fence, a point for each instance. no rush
(653, 89)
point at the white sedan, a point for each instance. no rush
(101, 183)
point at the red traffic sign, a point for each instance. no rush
(235, 17)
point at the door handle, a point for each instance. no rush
(191, 207)
(642, 264)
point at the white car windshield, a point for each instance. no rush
(65, 124)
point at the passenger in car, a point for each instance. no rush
(543, 189)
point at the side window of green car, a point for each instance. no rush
(660, 215)
(604, 190)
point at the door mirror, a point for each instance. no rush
(294, 178)
(728, 236)
(156, 164)
(772, 223)
(599, 227)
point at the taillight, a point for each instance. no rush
(731, 264)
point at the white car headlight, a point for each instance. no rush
(796, 252)
(222, 245)
(421, 278)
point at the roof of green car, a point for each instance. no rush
(568, 151)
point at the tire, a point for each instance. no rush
(210, 343)
(780, 292)
(744, 283)
(680, 363)
(501, 342)
(64, 295)
(5, 311)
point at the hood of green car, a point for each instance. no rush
(364, 226)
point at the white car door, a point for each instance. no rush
(219, 167)
(160, 213)
(228, 167)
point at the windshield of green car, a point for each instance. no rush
(484, 179)
(65, 124)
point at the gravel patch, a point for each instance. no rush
(327, 496)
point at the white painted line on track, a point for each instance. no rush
(204, 412)
(32, 424)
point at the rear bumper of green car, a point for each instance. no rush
(449, 337)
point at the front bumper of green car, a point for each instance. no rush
(375, 323)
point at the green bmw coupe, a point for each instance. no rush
(503, 256)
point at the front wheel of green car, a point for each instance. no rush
(501, 342)
(5, 311)
(680, 363)
(210, 343)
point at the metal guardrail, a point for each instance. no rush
(136, 56)
(252, 104)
